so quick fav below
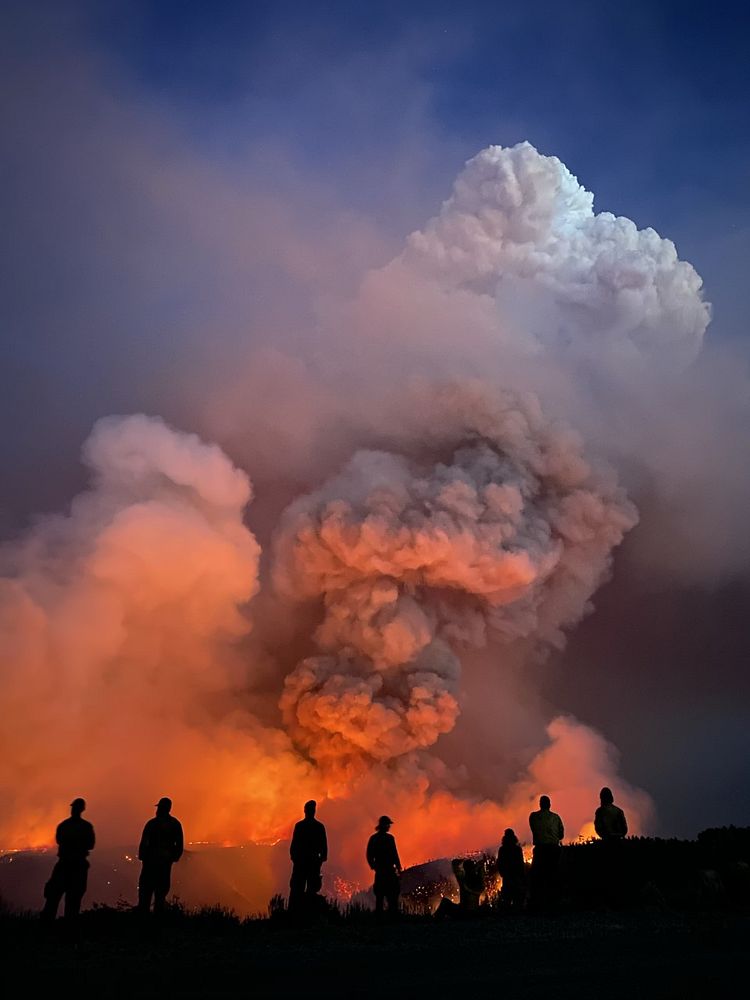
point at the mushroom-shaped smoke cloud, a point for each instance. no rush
(501, 525)
(436, 518)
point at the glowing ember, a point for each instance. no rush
(344, 889)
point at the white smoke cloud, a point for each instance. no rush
(520, 227)
(140, 456)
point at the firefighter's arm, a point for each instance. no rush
(370, 857)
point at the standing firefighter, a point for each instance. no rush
(612, 828)
(75, 838)
(161, 845)
(308, 851)
(547, 832)
(609, 820)
(512, 870)
(382, 857)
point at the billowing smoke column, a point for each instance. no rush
(520, 227)
(463, 522)
(414, 557)
(117, 625)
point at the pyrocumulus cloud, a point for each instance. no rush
(466, 509)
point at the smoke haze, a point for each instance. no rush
(354, 546)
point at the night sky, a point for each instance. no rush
(170, 168)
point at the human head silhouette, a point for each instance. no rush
(384, 823)
(544, 802)
(77, 806)
(310, 808)
(606, 797)
(509, 837)
(163, 807)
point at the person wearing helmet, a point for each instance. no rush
(383, 859)
(74, 838)
(161, 845)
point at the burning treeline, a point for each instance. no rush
(468, 523)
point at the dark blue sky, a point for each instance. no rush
(376, 107)
(150, 147)
(646, 101)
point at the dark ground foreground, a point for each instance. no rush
(604, 955)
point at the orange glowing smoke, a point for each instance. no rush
(129, 675)
(119, 626)
(453, 515)
(430, 823)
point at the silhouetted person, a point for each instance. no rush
(382, 857)
(611, 826)
(308, 851)
(609, 820)
(512, 870)
(470, 878)
(547, 832)
(161, 845)
(75, 838)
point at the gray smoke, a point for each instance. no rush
(414, 558)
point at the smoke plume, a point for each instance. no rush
(511, 533)
(519, 226)
(118, 624)
(449, 503)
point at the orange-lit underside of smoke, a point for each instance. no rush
(124, 680)
(233, 801)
